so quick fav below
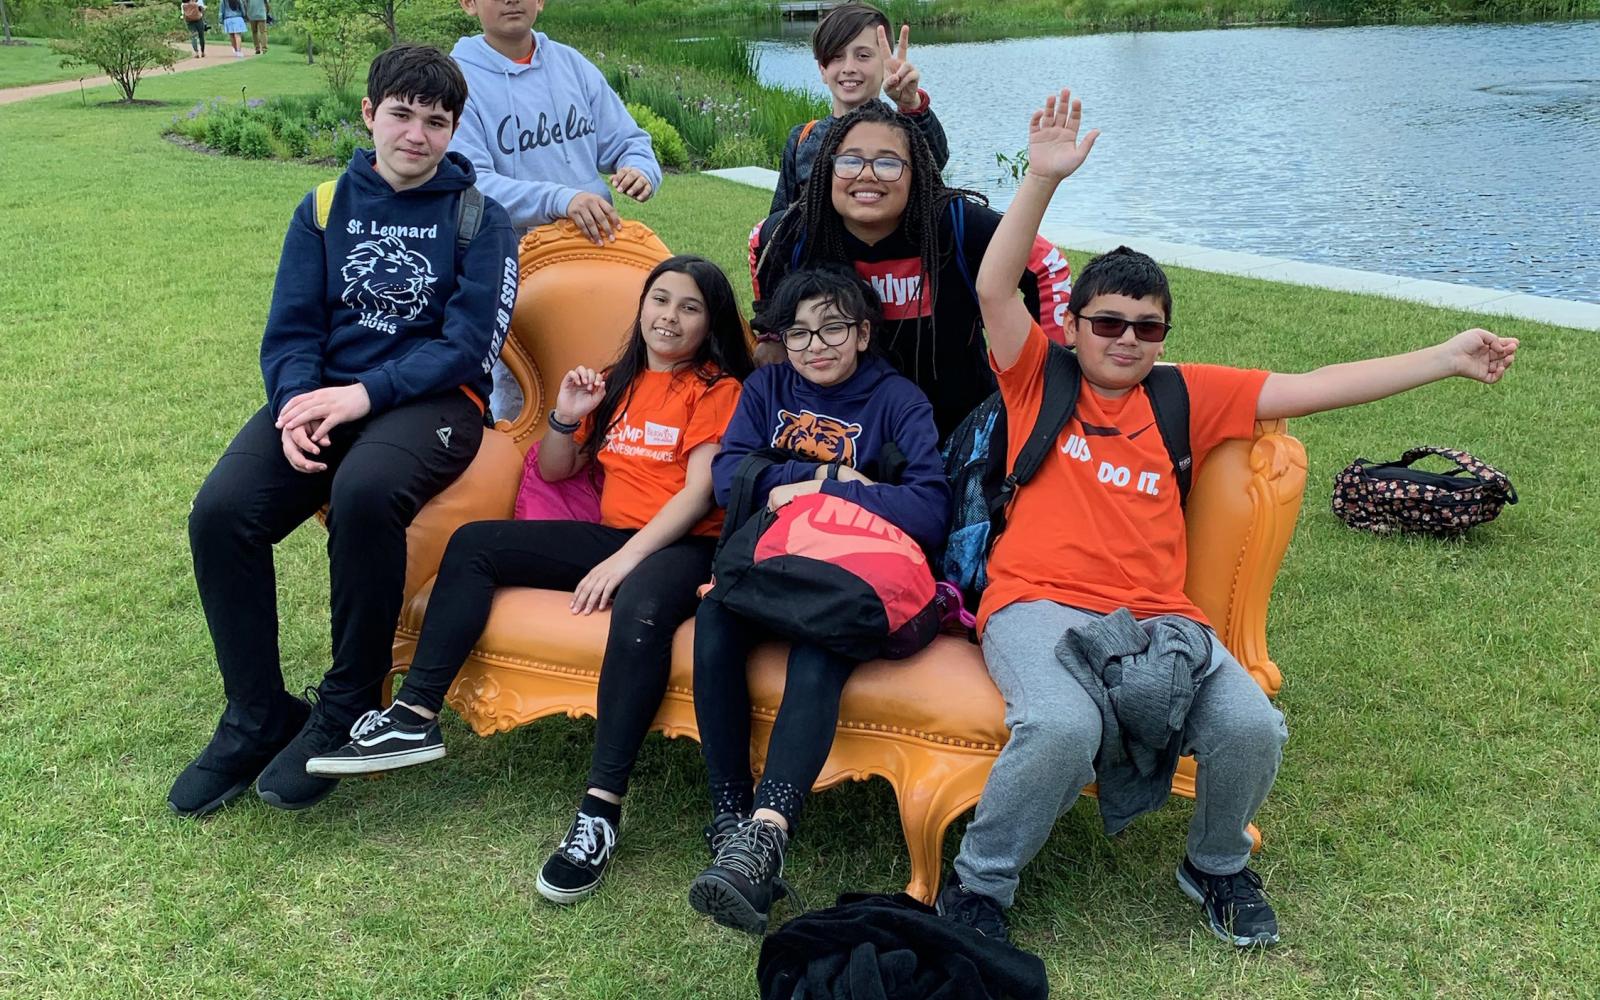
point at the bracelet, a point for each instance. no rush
(561, 426)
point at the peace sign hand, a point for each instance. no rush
(1054, 151)
(900, 78)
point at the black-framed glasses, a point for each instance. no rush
(849, 166)
(1151, 331)
(798, 338)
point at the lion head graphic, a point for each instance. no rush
(817, 435)
(384, 276)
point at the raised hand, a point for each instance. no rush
(1479, 354)
(580, 392)
(1054, 151)
(900, 78)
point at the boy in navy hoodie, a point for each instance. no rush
(541, 126)
(384, 325)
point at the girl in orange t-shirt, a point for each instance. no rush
(652, 421)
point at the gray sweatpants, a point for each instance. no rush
(1233, 731)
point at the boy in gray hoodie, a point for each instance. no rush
(540, 127)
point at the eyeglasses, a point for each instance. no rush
(1151, 331)
(849, 166)
(798, 338)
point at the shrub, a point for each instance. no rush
(123, 43)
(255, 140)
(345, 142)
(340, 36)
(738, 150)
(664, 139)
(222, 131)
(296, 140)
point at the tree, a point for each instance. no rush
(123, 42)
(5, 22)
(339, 29)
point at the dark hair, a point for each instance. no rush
(837, 286)
(1122, 271)
(725, 353)
(813, 222)
(841, 24)
(419, 73)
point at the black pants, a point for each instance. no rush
(652, 601)
(197, 35)
(381, 470)
(802, 734)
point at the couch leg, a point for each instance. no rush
(386, 693)
(929, 802)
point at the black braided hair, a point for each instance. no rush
(814, 219)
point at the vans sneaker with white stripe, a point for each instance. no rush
(380, 742)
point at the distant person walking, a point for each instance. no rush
(194, 17)
(257, 12)
(233, 22)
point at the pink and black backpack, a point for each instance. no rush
(826, 570)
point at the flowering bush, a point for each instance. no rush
(325, 129)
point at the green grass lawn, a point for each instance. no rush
(36, 62)
(1433, 832)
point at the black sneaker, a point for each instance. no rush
(580, 860)
(739, 888)
(238, 750)
(1235, 906)
(719, 830)
(380, 742)
(284, 784)
(972, 909)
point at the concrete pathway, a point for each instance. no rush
(1558, 312)
(215, 55)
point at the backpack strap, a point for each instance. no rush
(324, 202)
(741, 496)
(469, 217)
(958, 223)
(1169, 398)
(805, 130)
(1062, 379)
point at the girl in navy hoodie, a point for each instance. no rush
(834, 403)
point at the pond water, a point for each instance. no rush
(1462, 153)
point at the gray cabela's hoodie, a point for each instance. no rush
(538, 134)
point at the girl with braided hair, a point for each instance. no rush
(886, 213)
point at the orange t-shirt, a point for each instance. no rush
(1099, 527)
(664, 417)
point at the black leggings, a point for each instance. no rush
(802, 734)
(654, 599)
(197, 35)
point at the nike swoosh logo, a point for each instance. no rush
(1141, 430)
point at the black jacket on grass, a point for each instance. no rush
(872, 947)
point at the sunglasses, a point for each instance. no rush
(1151, 331)
(849, 166)
(798, 338)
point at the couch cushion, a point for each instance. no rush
(943, 693)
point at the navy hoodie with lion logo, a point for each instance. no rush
(384, 297)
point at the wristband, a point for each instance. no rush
(922, 105)
(561, 426)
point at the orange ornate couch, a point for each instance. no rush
(931, 725)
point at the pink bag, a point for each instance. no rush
(575, 499)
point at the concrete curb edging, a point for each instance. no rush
(1558, 312)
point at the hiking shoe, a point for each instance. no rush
(719, 830)
(1235, 906)
(381, 742)
(739, 888)
(284, 783)
(579, 861)
(983, 914)
(239, 748)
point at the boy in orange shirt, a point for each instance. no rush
(1124, 547)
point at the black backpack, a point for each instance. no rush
(982, 487)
